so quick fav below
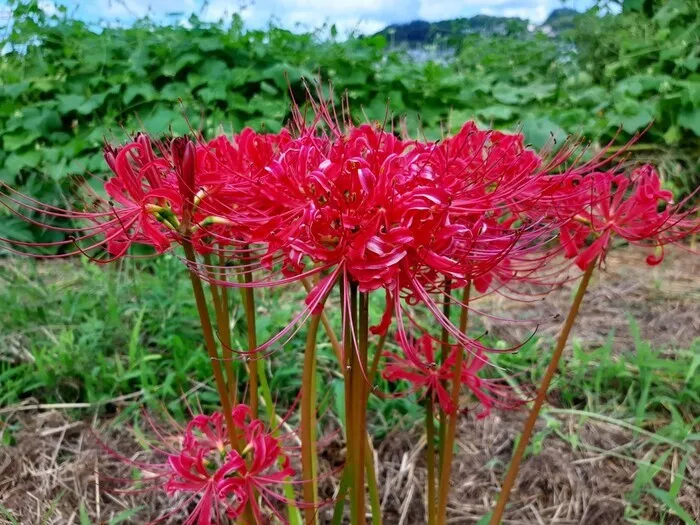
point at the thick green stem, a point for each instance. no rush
(308, 424)
(444, 485)
(209, 341)
(514, 467)
(335, 344)
(292, 512)
(210, 345)
(220, 300)
(226, 335)
(249, 302)
(358, 433)
(339, 507)
(430, 458)
(444, 352)
(372, 486)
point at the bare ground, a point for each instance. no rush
(584, 469)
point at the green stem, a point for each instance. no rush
(444, 352)
(292, 512)
(335, 344)
(430, 457)
(514, 467)
(372, 484)
(339, 506)
(249, 302)
(220, 300)
(444, 485)
(358, 434)
(226, 335)
(210, 345)
(308, 424)
(209, 341)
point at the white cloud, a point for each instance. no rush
(537, 14)
(367, 16)
(533, 10)
(48, 7)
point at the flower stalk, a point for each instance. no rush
(529, 427)
(308, 424)
(209, 342)
(445, 469)
(430, 459)
(444, 352)
(219, 297)
(249, 306)
(357, 445)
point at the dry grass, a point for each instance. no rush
(59, 465)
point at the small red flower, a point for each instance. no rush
(215, 481)
(633, 208)
(419, 366)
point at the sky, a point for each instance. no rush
(364, 16)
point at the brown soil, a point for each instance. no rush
(58, 465)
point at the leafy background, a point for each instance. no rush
(65, 87)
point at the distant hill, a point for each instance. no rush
(420, 32)
(561, 19)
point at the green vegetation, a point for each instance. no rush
(65, 87)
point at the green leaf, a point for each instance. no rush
(16, 162)
(214, 69)
(213, 92)
(632, 5)
(172, 68)
(125, 515)
(634, 121)
(145, 91)
(506, 94)
(174, 90)
(15, 141)
(15, 90)
(540, 91)
(673, 506)
(91, 104)
(159, 121)
(540, 131)
(69, 103)
(16, 229)
(210, 44)
(496, 112)
(84, 517)
(673, 135)
(690, 120)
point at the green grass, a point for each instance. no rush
(80, 333)
(76, 332)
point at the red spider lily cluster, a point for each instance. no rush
(357, 208)
(216, 480)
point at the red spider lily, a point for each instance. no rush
(257, 471)
(491, 393)
(419, 367)
(631, 208)
(216, 481)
